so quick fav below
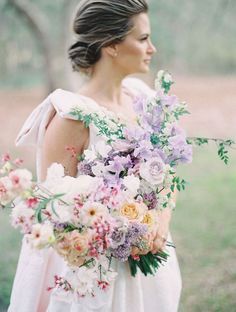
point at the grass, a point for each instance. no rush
(204, 230)
(203, 227)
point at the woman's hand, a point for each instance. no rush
(160, 237)
(159, 242)
(148, 242)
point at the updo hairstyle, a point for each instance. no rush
(100, 23)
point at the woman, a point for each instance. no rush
(112, 42)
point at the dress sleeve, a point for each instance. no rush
(61, 102)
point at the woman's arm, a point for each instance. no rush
(62, 133)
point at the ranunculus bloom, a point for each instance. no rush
(133, 210)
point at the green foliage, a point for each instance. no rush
(222, 146)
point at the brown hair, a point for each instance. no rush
(100, 23)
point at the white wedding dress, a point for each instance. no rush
(36, 269)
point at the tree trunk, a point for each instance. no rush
(38, 26)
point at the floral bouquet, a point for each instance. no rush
(87, 222)
(111, 209)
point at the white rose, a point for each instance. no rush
(153, 171)
(132, 184)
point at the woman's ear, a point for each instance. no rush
(111, 50)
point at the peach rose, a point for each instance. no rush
(133, 210)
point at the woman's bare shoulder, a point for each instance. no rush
(63, 135)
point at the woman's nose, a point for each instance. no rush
(151, 48)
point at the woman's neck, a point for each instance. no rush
(105, 86)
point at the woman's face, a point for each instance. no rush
(135, 52)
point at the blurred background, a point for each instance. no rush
(196, 43)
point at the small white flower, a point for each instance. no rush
(132, 184)
(171, 204)
(99, 169)
(21, 179)
(92, 211)
(21, 215)
(90, 154)
(162, 199)
(102, 148)
(167, 78)
(158, 85)
(6, 191)
(6, 168)
(41, 235)
(160, 74)
(86, 280)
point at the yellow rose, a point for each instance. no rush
(150, 219)
(130, 211)
(133, 211)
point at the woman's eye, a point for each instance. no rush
(144, 38)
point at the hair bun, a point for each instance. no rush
(83, 55)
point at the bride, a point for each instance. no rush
(112, 42)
